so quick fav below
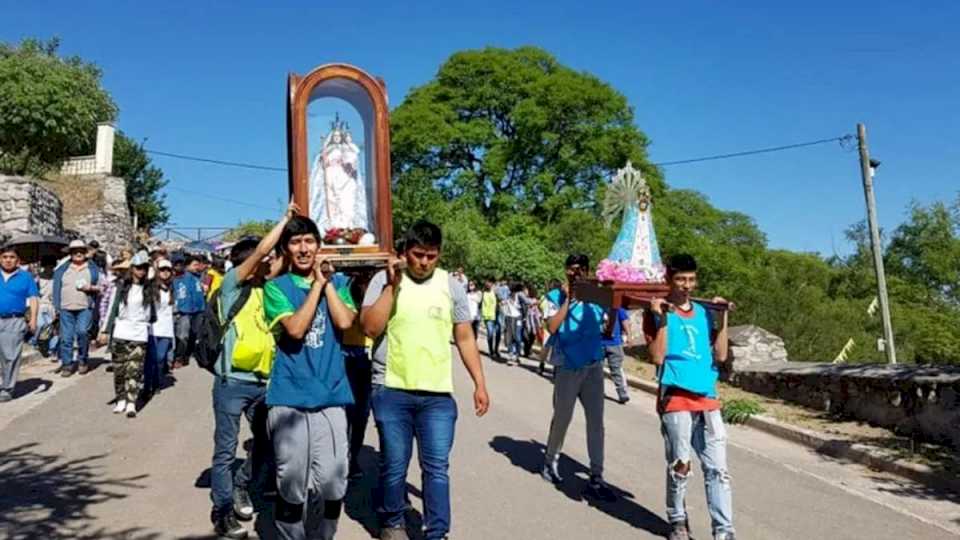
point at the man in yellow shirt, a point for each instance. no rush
(411, 314)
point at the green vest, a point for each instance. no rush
(418, 336)
(489, 309)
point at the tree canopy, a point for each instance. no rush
(509, 151)
(145, 182)
(49, 106)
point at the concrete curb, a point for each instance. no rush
(837, 448)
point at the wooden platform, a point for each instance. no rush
(612, 294)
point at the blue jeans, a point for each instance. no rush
(158, 348)
(231, 399)
(703, 433)
(402, 416)
(74, 324)
(493, 336)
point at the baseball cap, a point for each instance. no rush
(77, 244)
(140, 259)
(164, 263)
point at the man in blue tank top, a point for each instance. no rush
(687, 348)
(308, 390)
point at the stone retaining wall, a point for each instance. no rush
(918, 401)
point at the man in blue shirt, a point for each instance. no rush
(310, 307)
(613, 351)
(190, 303)
(17, 291)
(576, 346)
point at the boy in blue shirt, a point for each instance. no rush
(310, 307)
(576, 346)
(190, 304)
(687, 348)
(613, 351)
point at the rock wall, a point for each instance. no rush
(919, 401)
(95, 208)
(27, 207)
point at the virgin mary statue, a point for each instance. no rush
(338, 199)
(635, 256)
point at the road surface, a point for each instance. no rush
(71, 469)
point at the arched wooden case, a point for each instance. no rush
(368, 96)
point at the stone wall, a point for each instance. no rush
(27, 207)
(95, 208)
(918, 401)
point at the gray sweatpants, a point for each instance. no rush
(614, 356)
(569, 385)
(311, 450)
(11, 345)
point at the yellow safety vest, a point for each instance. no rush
(489, 309)
(418, 336)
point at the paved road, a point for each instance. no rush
(70, 469)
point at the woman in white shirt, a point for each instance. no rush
(161, 331)
(475, 297)
(128, 326)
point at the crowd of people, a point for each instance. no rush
(306, 353)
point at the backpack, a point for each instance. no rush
(211, 330)
(255, 347)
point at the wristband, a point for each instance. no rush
(659, 321)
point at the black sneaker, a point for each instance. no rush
(624, 400)
(598, 489)
(227, 526)
(550, 473)
(68, 371)
(242, 505)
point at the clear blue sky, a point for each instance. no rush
(208, 79)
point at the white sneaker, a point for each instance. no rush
(131, 410)
(120, 407)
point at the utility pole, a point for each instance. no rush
(866, 171)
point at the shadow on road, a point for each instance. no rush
(528, 455)
(45, 496)
(30, 386)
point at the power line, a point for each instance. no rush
(224, 199)
(842, 140)
(218, 161)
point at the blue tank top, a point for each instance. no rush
(688, 364)
(309, 373)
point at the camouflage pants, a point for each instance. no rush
(128, 358)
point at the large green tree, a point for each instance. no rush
(513, 131)
(145, 182)
(49, 106)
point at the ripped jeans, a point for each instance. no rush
(703, 433)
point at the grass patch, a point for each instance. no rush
(738, 411)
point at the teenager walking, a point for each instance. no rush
(412, 314)
(686, 345)
(132, 311)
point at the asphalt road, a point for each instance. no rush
(71, 469)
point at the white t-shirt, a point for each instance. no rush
(133, 317)
(163, 327)
(475, 298)
(511, 307)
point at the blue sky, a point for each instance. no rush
(209, 78)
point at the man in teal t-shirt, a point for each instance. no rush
(576, 345)
(238, 393)
(308, 387)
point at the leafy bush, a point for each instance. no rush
(738, 411)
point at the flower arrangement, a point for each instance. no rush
(343, 236)
(623, 272)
